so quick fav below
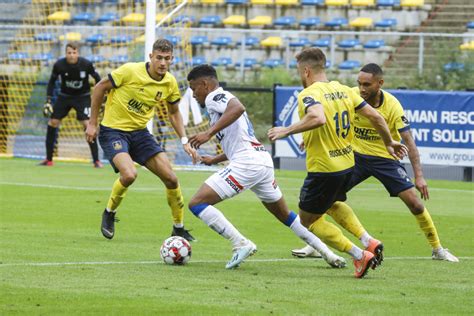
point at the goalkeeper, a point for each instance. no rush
(74, 72)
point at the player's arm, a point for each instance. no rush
(212, 160)
(231, 114)
(94, 73)
(313, 118)
(100, 90)
(414, 157)
(47, 107)
(396, 149)
(176, 121)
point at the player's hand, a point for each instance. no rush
(422, 187)
(277, 133)
(197, 140)
(191, 152)
(47, 109)
(397, 150)
(207, 160)
(91, 133)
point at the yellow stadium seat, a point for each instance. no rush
(212, 1)
(412, 3)
(272, 41)
(286, 2)
(134, 18)
(261, 20)
(337, 3)
(161, 16)
(71, 36)
(234, 20)
(467, 46)
(140, 39)
(363, 3)
(362, 22)
(59, 16)
(266, 2)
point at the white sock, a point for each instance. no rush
(217, 221)
(365, 239)
(308, 237)
(179, 225)
(356, 252)
(110, 211)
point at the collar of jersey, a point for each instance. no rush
(147, 65)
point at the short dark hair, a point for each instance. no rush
(373, 69)
(73, 45)
(313, 56)
(163, 45)
(202, 71)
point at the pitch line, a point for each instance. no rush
(98, 263)
(148, 189)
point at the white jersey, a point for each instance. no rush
(238, 139)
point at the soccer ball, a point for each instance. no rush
(175, 250)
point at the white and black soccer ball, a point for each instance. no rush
(175, 250)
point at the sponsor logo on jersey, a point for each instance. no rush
(340, 152)
(117, 145)
(234, 184)
(73, 84)
(258, 146)
(309, 101)
(138, 107)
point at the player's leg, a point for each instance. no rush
(426, 224)
(83, 109)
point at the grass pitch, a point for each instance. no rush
(54, 260)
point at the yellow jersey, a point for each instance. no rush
(132, 101)
(328, 147)
(367, 140)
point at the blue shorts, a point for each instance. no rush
(320, 191)
(390, 172)
(140, 145)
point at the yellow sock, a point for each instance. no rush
(345, 216)
(330, 234)
(427, 226)
(118, 193)
(176, 202)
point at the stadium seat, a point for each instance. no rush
(175, 40)
(363, 3)
(388, 3)
(235, 20)
(211, 1)
(349, 64)
(374, 44)
(210, 20)
(250, 41)
(44, 57)
(44, 37)
(453, 66)
(386, 23)
(59, 16)
(119, 59)
(312, 2)
(140, 39)
(285, 21)
(71, 36)
(261, 2)
(310, 22)
(361, 22)
(222, 41)
(108, 17)
(18, 56)
(248, 63)
(198, 60)
(261, 20)
(467, 46)
(198, 40)
(86, 17)
(222, 61)
(160, 16)
(272, 41)
(286, 2)
(236, 2)
(348, 43)
(337, 3)
(177, 60)
(322, 42)
(95, 38)
(273, 63)
(96, 58)
(120, 39)
(185, 19)
(412, 3)
(293, 63)
(134, 18)
(300, 42)
(336, 22)
(470, 25)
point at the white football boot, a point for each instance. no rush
(240, 254)
(444, 254)
(306, 252)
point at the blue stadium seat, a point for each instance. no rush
(453, 66)
(119, 59)
(108, 17)
(198, 60)
(322, 42)
(210, 20)
(95, 38)
(300, 42)
(273, 63)
(336, 22)
(199, 40)
(349, 64)
(96, 58)
(83, 17)
(177, 60)
(328, 64)
(470, 25)
(119, 39)
(173, 39)
(386, 23)
(285, 21)
(222, 41)
(46, 37)
(236, 2)
(310, 22)
(312, 2)
(18, 56)
(45, 57)
(222, 61)
(250, 41)
(348, 43)
(248, 63)
(388, 3)
(374, 44)
(183, 19)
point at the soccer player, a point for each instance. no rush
(135, 90)
(74, 72)
(250, 167)
(326, 111)
(371, 159)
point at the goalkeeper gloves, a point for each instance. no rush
(47, 109)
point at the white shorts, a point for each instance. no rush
(236, 178)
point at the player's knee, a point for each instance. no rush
(416, 207)
(128, 177)
(171, 181)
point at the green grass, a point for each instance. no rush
(52, 215)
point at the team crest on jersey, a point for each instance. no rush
(158, 96)
(402, 173)
(219, 97)
(82, 74)
(308, 101)
(405, 120)
(117, 145)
